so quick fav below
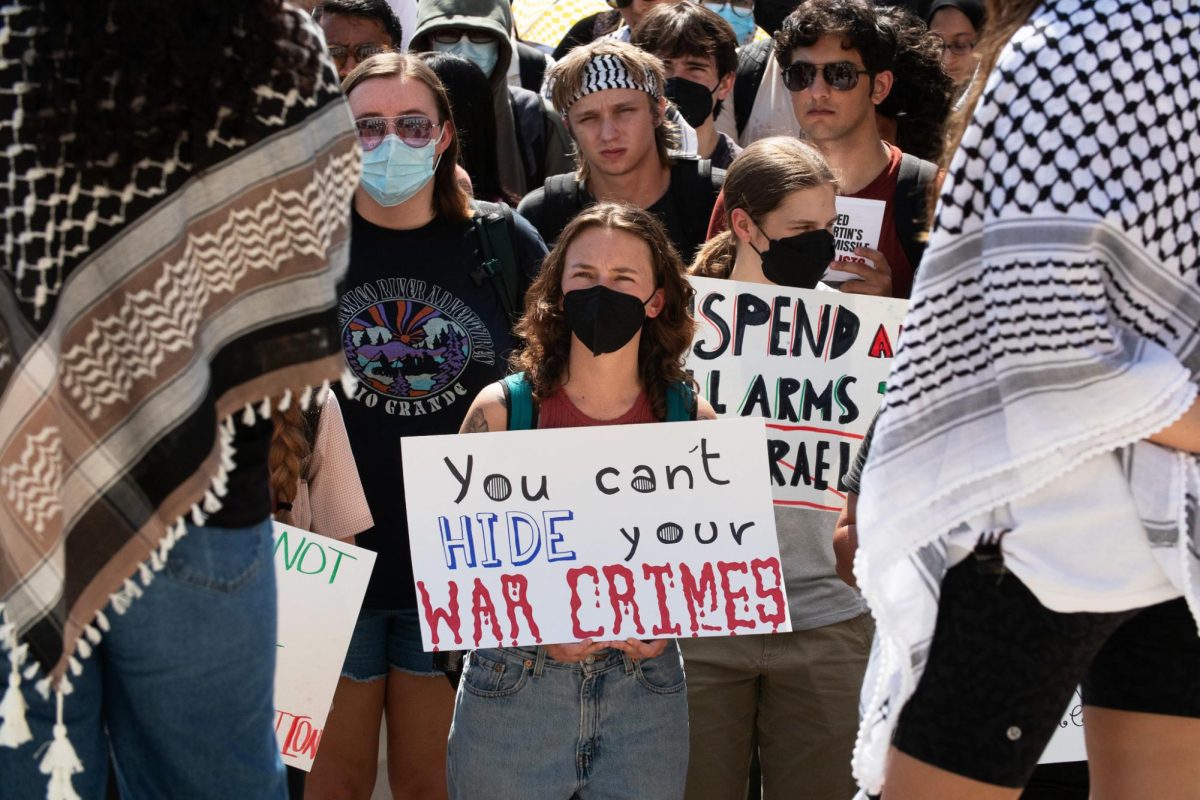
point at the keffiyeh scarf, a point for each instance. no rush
(136, 321)
(1056, 317)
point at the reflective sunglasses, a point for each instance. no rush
(455, 35)
(840, 75)
(362, 52)
(414, 131)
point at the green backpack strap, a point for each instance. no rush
(518, 396)
(681, 402)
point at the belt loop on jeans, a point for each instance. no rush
(628, 663)
(539, 663)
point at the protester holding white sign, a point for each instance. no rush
(606, 330)
(765, 350)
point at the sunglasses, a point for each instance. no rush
(339, 53)
(414, 131)
(619, 3)
(455, 35)
(840, 75)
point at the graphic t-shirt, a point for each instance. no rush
(423, 336)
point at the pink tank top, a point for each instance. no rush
(557, 411)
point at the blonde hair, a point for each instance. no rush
(567, 77)
(758, 181)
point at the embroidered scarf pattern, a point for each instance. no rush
(136, 322)
(1056, 317)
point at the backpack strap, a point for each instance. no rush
(518, 397)
(910, 206)
(562, 200)
(494, 224)
(752, 65)
(681, 402)
(695, 184)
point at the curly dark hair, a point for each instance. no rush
(665, 338)
(119, 81)
(922, 92)
(856, 21)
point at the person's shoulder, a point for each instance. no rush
(488, 411)
(531, 205)
(527, 235)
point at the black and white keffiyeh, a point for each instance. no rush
(609, 72)
(1056, 317)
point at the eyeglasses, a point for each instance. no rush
(455, 35)
(619, 3)
(840, 75)
(414, 131)
(362, 52)
(958, 48)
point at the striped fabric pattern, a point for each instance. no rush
(1056, 317)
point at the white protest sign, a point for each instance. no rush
(552, 536)
(813, 363)
(1067, 743)
(321, 583)
(859, 223)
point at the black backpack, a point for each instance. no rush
(494, 224)
(532, 66)
(910, 206)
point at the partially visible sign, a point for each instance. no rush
(1067, 744)
(859, 223)
(321, 584)
(813, 363)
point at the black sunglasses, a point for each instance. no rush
(840, 75)
(619, 3)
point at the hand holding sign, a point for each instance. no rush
(876, 281)
(859, 223)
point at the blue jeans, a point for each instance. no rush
(180, 690)
(528, 726)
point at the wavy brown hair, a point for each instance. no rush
(665, 338)
(450, 201)
(758, 181)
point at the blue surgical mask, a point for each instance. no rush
(393, 172)
(485, 56)
(743, 26)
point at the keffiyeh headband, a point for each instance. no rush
(609, 72)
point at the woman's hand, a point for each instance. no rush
(638, 650)
(574, 653)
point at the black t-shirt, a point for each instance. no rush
(247, 500)
(422, 338)
(685, 208)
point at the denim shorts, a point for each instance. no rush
(384, 638)
(528, 726)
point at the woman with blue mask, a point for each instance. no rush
(740, 16)
(424, 328)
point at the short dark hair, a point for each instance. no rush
(369, 9)
(673, 30)
(855, 21)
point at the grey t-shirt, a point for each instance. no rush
(816, 595)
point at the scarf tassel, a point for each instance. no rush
(60, 761)
(14, 731)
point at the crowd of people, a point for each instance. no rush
(213, 214)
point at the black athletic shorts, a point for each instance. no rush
(1002, 669)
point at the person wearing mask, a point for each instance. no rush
(699, 54)
(531, 142)
(740, 16)
(836, 60)
(176, 230)
(606, 331)
(792, 698)
(1028, 522)
(959, 24)
(355, 30)
(611, 94)
(424, 328)
(471, 103)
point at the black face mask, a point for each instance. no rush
(797, 261)
(694, 100)
(603, 318)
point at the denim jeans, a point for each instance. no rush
(527, 726)
(180, 690)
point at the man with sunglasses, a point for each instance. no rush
(531, 141)
(837, 63)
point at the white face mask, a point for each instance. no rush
(485, 56)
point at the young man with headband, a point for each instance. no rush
(611, 95)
